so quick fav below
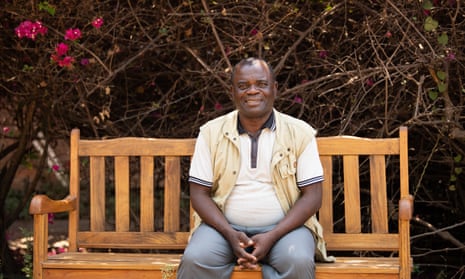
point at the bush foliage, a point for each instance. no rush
(161, 69)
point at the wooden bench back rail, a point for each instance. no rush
(344, 154)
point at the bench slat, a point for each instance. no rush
(352, 194)
(140, 146)
(362, 241)
(135, 240)
(379, 214)
(172, 194)
(147, 207)
(122, 193)
(97, 193)
(357, 146)
(326, 212)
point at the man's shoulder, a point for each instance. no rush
(218, 122)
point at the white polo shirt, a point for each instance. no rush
(253, 201)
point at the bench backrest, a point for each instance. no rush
(136, 192)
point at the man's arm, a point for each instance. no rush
(212, 216)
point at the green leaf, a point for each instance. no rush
(441, 75)
(452, 188)
(430, 24)
(453, 178)
(433, 95)
(45, 6)
(458, 158)
(458, 171)
(442, 87)
(427, 5)
(443, 39)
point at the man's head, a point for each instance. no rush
(254, 88)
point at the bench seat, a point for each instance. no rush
(131, 265)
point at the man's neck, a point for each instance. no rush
(253, 125)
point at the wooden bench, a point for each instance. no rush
(132, 222)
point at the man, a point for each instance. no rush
(255, 183)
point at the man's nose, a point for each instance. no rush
(253, 88)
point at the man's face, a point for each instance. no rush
(254, 90)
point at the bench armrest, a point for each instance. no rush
(41, 204)
(40, 207)
(406, 208)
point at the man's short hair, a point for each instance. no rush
(249, 61)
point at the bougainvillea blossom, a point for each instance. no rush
(61, 49)
(98, 22)
(67, 61)
(29, 29)
(73, 34)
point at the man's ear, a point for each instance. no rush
(231, 93)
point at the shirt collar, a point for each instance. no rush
(269, 123)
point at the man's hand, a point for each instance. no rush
(240, 243)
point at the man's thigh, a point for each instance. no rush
(210, 247)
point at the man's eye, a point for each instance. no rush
(262, 84)
(242, 86)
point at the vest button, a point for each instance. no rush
(234, 172)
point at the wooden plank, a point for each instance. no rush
(404, 225)
(147, 206)
(133, 240)
(352, 194)
(362, 242)
(378, 194)
(348, 145)
(113, 265)
(325, 214)
(122, 201)
(172, 194)
(97, 193)
(40, 242)
(127, 146)
(74, 189)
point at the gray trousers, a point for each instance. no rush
(209, 256)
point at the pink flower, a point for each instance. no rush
(6, 129)
(369, 82)
(62, 250)
(51, 218)
(85, 61)
(451, 56)
(297, 100)
(56, 167)
(218, 106)
(73, 34)
(29, 29)
(98, 22)
(52, 252)
(323, 53)
(67, 61)
(254, 32)
(61, 49)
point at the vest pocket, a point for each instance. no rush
(287, 165)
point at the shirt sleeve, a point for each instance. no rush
(201, 170)
(309, 168)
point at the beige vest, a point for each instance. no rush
(292, 136)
